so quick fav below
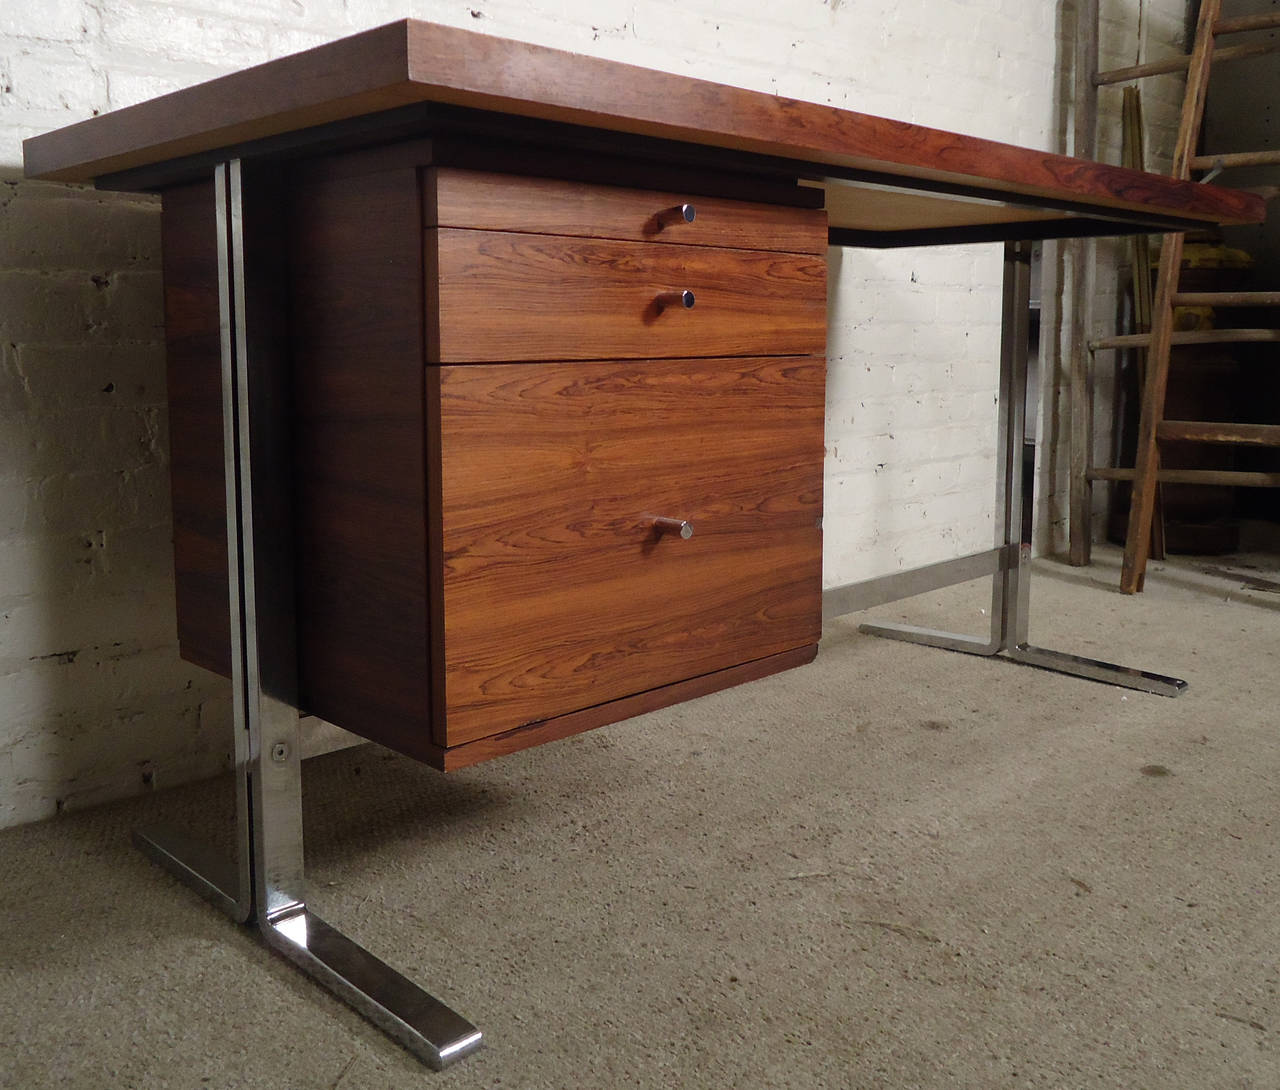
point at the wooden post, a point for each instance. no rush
(1080, 260)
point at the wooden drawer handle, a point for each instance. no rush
(666, 299)
(673, 526)
(681, 213)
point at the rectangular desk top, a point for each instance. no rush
(887, 182)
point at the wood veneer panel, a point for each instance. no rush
(508, 296)
(565, 726)
(557, 593)
(194, 374)
(411, 61)
(361, 475)
(501, 202)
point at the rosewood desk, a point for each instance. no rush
(496, 381)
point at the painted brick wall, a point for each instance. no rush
(94, 702)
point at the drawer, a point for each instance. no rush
(556, 592)
(503, 202)
(505, 296)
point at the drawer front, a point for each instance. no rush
(558, 593)
(503, 202)
(505, 296)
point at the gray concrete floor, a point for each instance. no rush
(897, 867)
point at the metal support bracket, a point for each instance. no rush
(1009, 563)
(265, 884)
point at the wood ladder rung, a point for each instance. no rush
(1226, 299)
(1182, 63)
(1237, 478)
(1244, 23)
(1208, 431)
(1192, 336)
(1235, 159)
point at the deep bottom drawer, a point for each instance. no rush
(557, 592)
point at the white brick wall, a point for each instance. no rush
(94, 702)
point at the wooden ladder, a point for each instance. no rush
(1153, 428)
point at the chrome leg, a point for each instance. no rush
(873, 592)
(1015, 496)
(266, 884)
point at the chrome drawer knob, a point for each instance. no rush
(681, 213)
(673, 526)
(666, 299)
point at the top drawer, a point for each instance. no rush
(505, 202)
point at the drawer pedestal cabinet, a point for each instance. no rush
(489, 425)
(501, 372)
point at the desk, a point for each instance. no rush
(496, 382)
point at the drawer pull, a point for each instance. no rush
(666, 299)
(681, 213)
(673, 526)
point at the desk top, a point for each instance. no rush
(882, 177)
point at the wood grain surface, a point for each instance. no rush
(507, 296)
(360, 464)
(612, 711)
(411, 61)
(557, 593)
(194, 375)
(547, 206)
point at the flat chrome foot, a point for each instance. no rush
(194, 864)
(432, 1031)
(1127, 677)
(429, 1029)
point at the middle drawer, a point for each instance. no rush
(507, 296)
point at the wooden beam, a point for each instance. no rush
(1242, 23)
(1191, 336)
(1220, 477)
(1207, 431)
(1182, 63)
(1235, 159)
(1080, 262)
(1226, 299)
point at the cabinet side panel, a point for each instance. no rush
(190, 255)
(356, 268)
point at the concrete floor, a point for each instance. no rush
(897, 867)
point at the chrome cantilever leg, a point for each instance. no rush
(1009, 563)
(266, 884)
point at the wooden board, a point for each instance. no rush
(557, 592)
(410, 62)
